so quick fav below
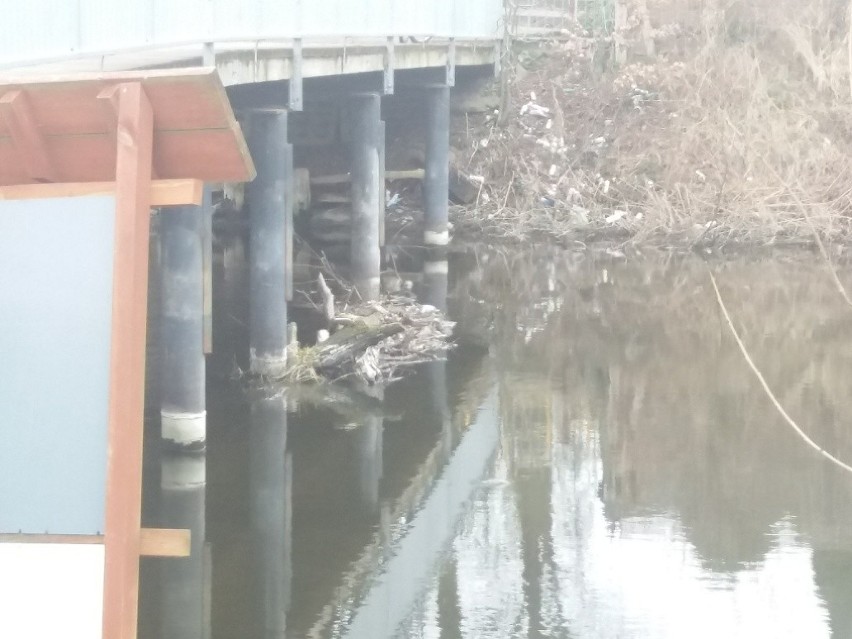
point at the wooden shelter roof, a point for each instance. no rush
(63, 128)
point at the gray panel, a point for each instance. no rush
(55, 317)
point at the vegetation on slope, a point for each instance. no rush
(684, 122)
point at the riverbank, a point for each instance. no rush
(733, 133)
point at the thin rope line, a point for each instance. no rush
(825, 256)
(766, 387)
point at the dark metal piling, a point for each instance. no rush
(182, 407)
(436, 181)
(270, 201)
(367, 192)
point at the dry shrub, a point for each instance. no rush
(738, 132)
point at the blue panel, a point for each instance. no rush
(55, 316)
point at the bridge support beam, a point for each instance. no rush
(367, 193)
(183, 412)
(270, 201)
(436, 183)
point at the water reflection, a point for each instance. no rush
(184, 583)
(271, 477)
(594, 460)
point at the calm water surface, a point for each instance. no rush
(594, 460)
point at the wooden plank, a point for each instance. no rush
(165, 542)
(186, 100)
(26, 136)
(163, 192)
(344, 178)
(154, 542)
(196, 133)
(333, 198)
(127, 363)
(533, 31)
(210, 156)
(533, 12)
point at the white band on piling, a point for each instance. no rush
(436, 238)
(436, 268)
(268, 365)
(181, 472)
(184, 429)
(369, 287)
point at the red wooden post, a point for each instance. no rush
(134, 142)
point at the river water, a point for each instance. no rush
(594, 460)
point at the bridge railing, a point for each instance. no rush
(34, 31)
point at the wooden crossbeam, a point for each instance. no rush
(154, 542)
(344, 178)
(26, 136)
(163, 192)
(108, 98)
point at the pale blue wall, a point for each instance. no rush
(55, 314)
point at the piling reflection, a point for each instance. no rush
(185, 583)
(270, 488)
(593, 460)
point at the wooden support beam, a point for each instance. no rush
(26, 136)
(345, 178)
(165, 542)
(153, 542)
(122, 539)
(162, 193)
(110, 104)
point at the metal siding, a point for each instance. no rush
(280, 17)
(180, 20)
(322, 16)
(45, 29)
(37, 28)
(107, 24)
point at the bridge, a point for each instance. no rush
(275, 72)
(252, 41)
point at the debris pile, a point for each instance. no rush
(372, 342)
(678, 136)
(380, 338)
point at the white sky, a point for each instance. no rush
(51, 590)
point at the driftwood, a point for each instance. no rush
(327, 300)
(463, 190)
(374, 342)
(338, 356)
